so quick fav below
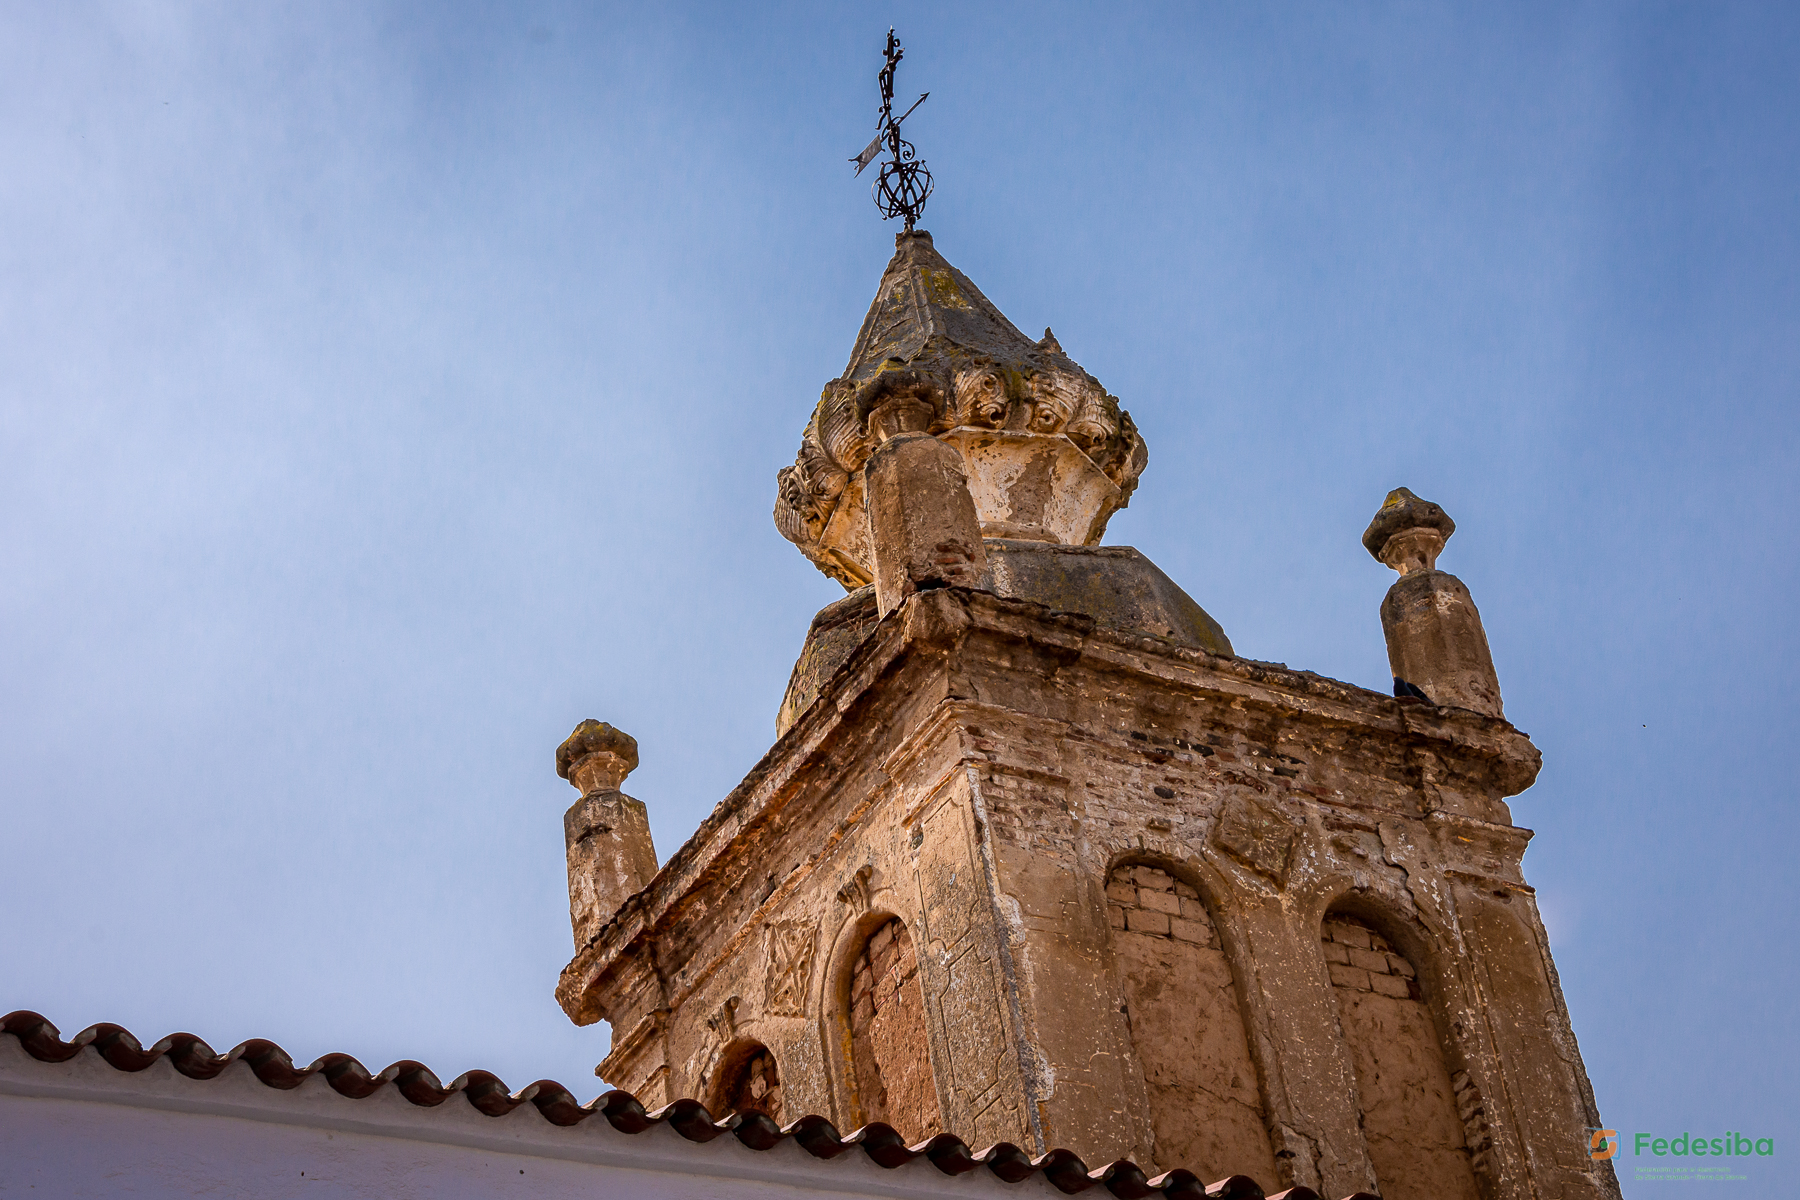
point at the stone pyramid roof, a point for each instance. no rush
(922, 296)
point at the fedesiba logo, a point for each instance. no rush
(1657, 1159)
(1604, 1144)
(1732, 1145)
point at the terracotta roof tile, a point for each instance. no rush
(192, 1057)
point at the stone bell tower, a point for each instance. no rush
(1036, 858)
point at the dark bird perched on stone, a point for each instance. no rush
(1409, 691)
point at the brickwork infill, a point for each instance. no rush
(1360, 960)
(888, 1047)
(1186, 1027)
(1148, 900)
(1416, 1137)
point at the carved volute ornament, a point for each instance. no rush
(1049, 456)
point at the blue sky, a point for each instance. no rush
(384, 388)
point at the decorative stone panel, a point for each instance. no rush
(1257, 836)
(791, 947)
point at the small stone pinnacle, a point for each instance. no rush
(596, 757)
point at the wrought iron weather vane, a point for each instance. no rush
(904, 183)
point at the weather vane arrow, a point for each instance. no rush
(902, 186)
(874, 147)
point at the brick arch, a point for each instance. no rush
(747, 1080)
(1409, 1095)
(889, 1051)
(1181, 1002)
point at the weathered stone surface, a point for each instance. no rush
(1434, 635)
(987, 771)
(1115, 585)
(1436, 641)
(1046, 453)
(607, 833)
(596, 757)
(922, 525)
(610, 857)
(1180, 1004)
(837, 630)
(1417, 1144)
(887, 1036)
(1404, 513)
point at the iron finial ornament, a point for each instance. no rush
(904, 183)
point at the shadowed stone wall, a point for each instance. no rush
(1409, 1109)
(888, 1045)
(1186, 1030)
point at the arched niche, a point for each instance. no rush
(879, 1018)
(831, 1002)
(1182, 1005)
(1407, 1086)
(746, 1080)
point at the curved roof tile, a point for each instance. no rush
(192, 1057)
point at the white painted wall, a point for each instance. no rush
(83, 1129)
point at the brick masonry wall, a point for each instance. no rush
(1177, 994)
(888, 1046)
(1151, 901)
(1417, 1139)
(1360, 960)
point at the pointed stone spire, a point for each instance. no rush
(921, 297)
(1047, 455)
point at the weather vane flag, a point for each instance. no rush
(904, 183)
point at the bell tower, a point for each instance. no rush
(1037, 859)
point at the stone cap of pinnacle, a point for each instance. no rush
(1400, 512)
(597, 737)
